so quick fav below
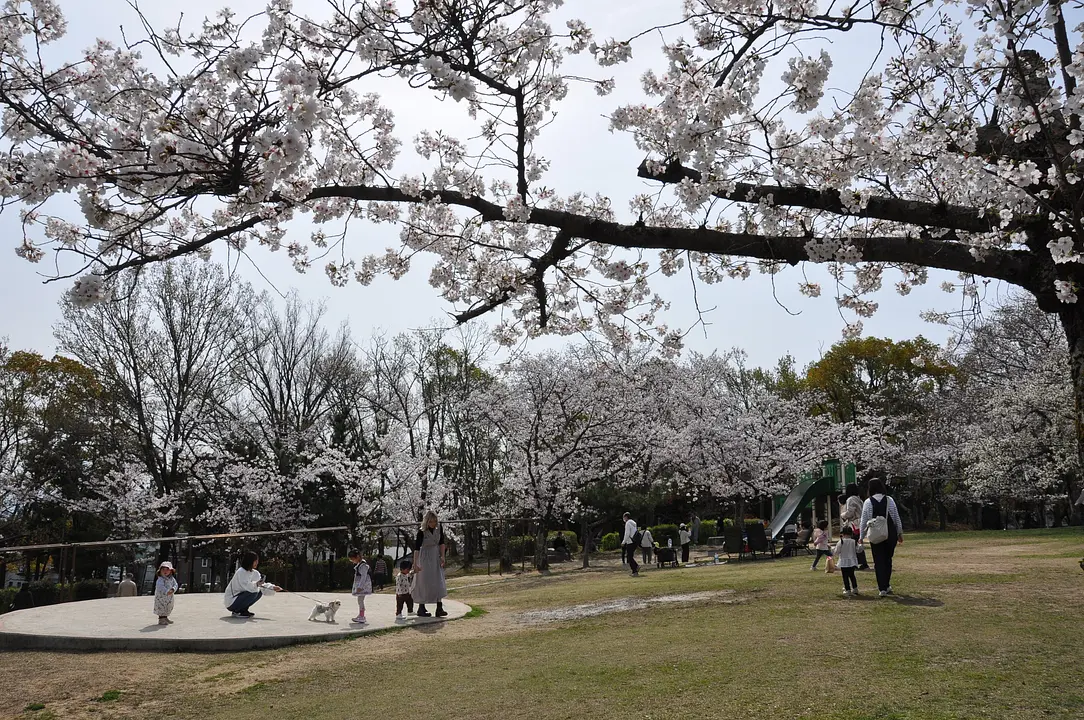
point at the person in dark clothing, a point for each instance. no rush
(630, 540)
(879, 504)
(560, 546)
(23, 599)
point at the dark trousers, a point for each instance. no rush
(244, 601)
(624, 553)
(645, 554)
(685, 553)
(862, 560)
(820, 554)
(850, 580)
(401, 600)
(882, 562)
(632, 558)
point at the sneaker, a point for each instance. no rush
(854, 592)
(635, 573)
(399, 615)
(236, 614)
(359, 621)
(847, 593)
(247, 614)
(889, 590)
(884, 593)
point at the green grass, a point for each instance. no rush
(475, 612)
(34, 707)
(110, 696)
(984, 625)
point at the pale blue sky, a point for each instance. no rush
(584, 156)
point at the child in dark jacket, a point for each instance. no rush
(404, 584)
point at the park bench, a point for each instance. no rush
(562, 555)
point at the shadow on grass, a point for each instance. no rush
(915, 601)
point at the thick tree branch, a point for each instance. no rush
(911, 212)
(1012, 266)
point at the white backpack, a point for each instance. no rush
(877, 530)
(877, 527)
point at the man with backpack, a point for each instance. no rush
(630, 542)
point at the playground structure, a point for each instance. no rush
(834, 476)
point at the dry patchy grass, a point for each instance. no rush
(985, 625)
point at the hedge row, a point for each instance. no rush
(661, 533)
(521, 546)
(44, 592)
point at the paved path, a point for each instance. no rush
(201, 623)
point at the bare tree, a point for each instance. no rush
(167, 351)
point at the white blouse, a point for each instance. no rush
(246, 581)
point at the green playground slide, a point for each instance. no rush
(798, 498)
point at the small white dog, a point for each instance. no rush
(328, 611)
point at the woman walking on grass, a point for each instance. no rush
(880, 505)
(429, 550)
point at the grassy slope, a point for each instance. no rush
(986, 625)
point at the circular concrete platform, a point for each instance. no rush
(201, 623)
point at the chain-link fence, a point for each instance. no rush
(308, 559)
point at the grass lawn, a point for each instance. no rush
(984, 625)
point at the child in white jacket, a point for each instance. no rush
(363, 584)
(846, 553)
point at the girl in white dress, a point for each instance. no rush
(165, 587)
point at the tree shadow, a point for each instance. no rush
(916, 601)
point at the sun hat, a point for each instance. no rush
(166, 564)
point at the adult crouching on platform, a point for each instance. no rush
(247, 586)
(429, 550)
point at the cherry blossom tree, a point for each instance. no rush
(565, 424)
(741, 440)
(951, 142)
(1019, 441)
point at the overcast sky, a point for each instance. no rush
(584, 156)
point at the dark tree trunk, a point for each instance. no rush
(468, 547)
(506, 549)
(1074, 511)
(1072, 321)
(541, 561)
(942, 515)
(585, 540)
